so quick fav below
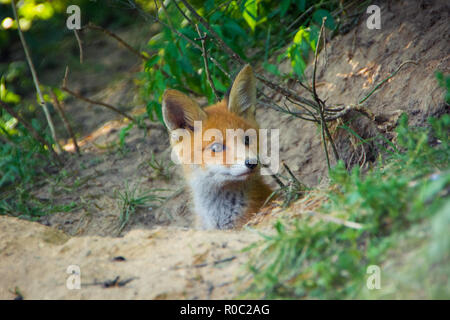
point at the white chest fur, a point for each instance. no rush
(219, 207)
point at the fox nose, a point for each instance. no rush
(251, 163)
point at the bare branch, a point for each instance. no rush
(80, 44)
(320, 102)
(219, 40)
(100, 103)
(65, 121)
(35, 77)
(93, 26)
(386, 79)
(205, 60)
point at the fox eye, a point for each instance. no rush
(217, 147)
(247, 140)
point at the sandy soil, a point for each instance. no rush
(165, 256)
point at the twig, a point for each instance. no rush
(216, 262)
(32, 131)
(274, 176)
(93, 26)
(386, 79)
(205, 60)
(320, 102)
(238, 58)
(35, 78)
(178, 33)
(219, 40)
(100, 103)
(140, 55)
(79, 96)
(80, 44)
(182, 12)
(294, 178)
(300, 17)
(286, 92)
(327, 217)
(65, 121)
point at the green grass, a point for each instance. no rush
(159, 167)
(402, 204)
(24, 204)
(131, 198)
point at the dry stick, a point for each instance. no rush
(286, 92)
(386, 79)
(30, 128)
(238, 58)
(202, 38)
(77, 36)
(100, 103)
(219, 40)
(182, 12)
(300, 17)
(65, 121)
(195, 45)
(125, 44)
(291, 174)
(73, 93)
(92, 26)
(179, 34)
(35, 78)
(320, 102)
(329, 218)
(358, 107)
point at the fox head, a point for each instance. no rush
(218, 142)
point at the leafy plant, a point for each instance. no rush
(160, 167)
(245, 26)
(329, 259)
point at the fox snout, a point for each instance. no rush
(251, 163)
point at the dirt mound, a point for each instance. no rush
(164, 263)
(165, 259)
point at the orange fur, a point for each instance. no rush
(226, 195)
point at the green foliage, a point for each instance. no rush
(329, 260)
(20, 155)
(123, 133)
(245, 26)
(23, 204)
(22, 159)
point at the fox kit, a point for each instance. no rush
(226, 185)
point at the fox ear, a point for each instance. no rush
(242, 98)
(179, 111)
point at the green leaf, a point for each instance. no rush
(154, 108)
(251, 13)
(284, 6)
(301, 4)
(151, 62)
(271, 68)
(123, 134)
(319, 14)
